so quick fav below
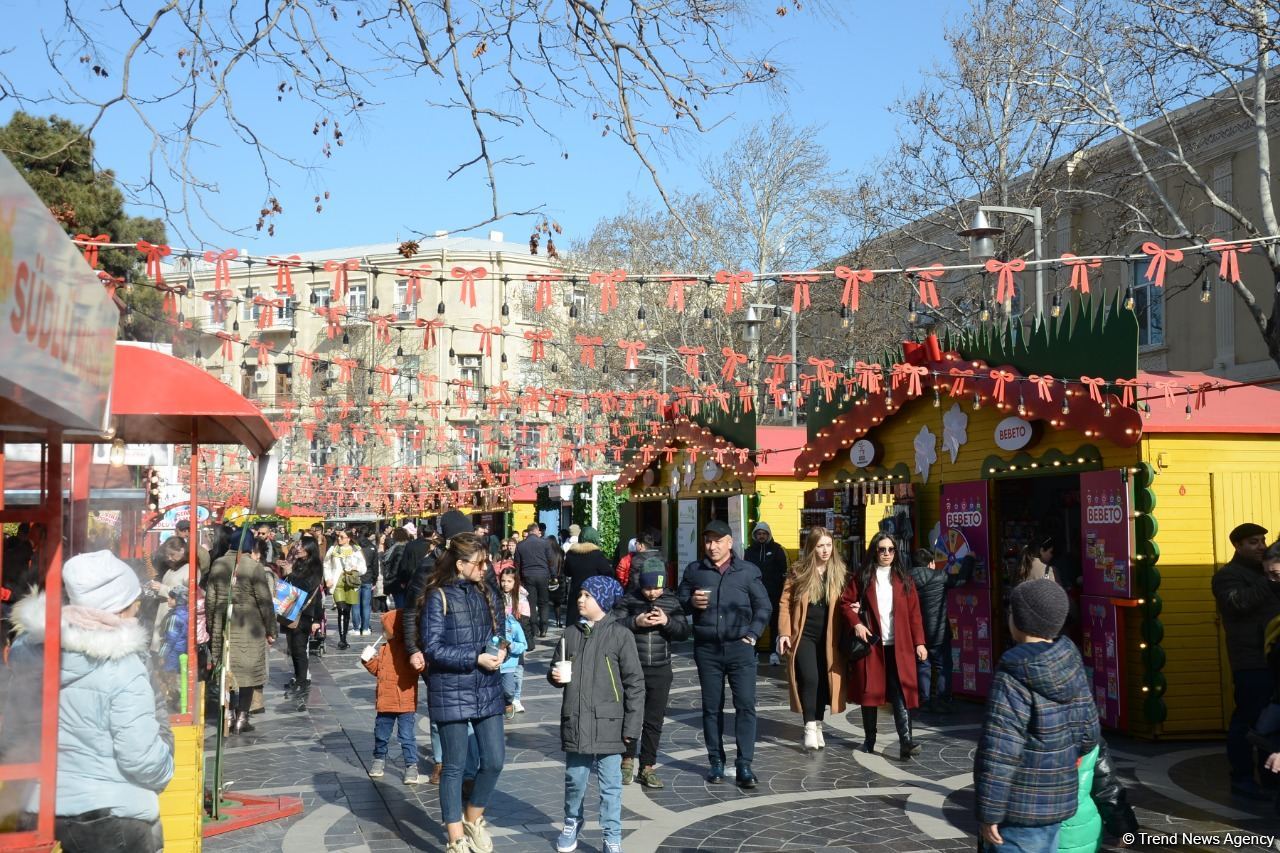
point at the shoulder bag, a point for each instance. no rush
(858, 647)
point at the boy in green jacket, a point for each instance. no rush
(601, 715)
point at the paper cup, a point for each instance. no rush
(564, 668)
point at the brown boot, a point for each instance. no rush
(434, 778)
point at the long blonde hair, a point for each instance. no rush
(805, 580)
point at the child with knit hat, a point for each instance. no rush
(600, 716)
(1041, 721)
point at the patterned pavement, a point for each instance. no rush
(836, 801)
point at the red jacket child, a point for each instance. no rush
(397, 691)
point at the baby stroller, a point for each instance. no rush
(315, 643)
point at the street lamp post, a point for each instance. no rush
(659, 359)
(751, 324)
(981, 246)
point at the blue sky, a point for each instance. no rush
(389, 178)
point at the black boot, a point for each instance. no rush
(907, 747)
(869, 716)
(241, 723)
(302, 693)
(290, 688)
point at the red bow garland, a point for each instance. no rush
(587, 356)
(1095, 384)
(499, 398)
(913, 374)
(464, 401)
(543, 296)
(780, 363)
(386, 373)
(468, 278)
(869, 376)
(1160, 258)
(538, 338)
(746, 396)
(218, 299)
(852, 279)
(1080, 270)
(262, 347)
(344, 373)
(341, 283)
(928, 292)
(111, 282)
(692, 360)
(153, 254)
(267, 310)
(826, 375)
(91, 247)
(306, 364)
(1229, 265)
(1006, 290)
(608, 283)
(733, 300)
(720, 398)
(227, 340)
(284, 272)
(1043, 384)
(800, 290)
(958, 376)
(486, 337)
(675, 290)
(413, 283)
(632, 349)
(1001, 377)
(382, 327)
(1167, 388)
(429, 328)
(333, 318)
(732, 361)
(1126, 397)
(171, 294)
(428, 382)
(221, 266)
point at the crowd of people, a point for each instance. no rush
(459, 609)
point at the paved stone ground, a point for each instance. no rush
(836, 801)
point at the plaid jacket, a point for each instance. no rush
(1041, 719)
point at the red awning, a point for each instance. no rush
(159, 399)
(777, 448)
(1224, 407)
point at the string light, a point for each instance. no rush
(505, 314)
(1128, 298)
(845, 316)
(937, 397)
(984, 313)
(777, 316)
(706, 317)
(1022, 405)
(641, 318)
(1066, 404)
(977, 402)
(1055, 309)
(912, 315)
(1206, 292)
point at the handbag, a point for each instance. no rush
(858, 647)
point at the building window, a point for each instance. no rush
(248, 388)
(284, 380)
(468, 445)
(579, 301)
(407, 455)
(358, 299)
(249, 311)
(1148, 304)
(469, 369)
(319, 454)
(355, 455)
(404, 311)
(285, 311)
(407, 379)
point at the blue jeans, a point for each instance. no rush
(940, 657)
(473, 751)
(363, 607)
(405, 724)
(735, 661)
(512, 682)
(1026, 839)
(453, 737)
(577, 773)
(1253, 689)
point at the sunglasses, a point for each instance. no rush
(886, 550)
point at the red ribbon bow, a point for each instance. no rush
(1127, 386)
(1080, 270)
(486, 337)
(826, 376)
(733, 300)
(608, 283)
(692, 360)
(1006, 290)
(928, 292)
(333, 318)
(632, 349)
(732, 361)
(221, 266)
(1043, 384)
(284, 272)
(1094, 383)
(429, 328)
(542, 296)
(344, 375)
(852, 279)
(306, 365)
(91, 246)
(869, 376)
(341, 284)
(538, 338)
(111, 282)
(227, 341)
(262, 347)
(171, 294)
(1229, 265)
(1001, 377)
(675, 290)
(800, 289)
(153, 254)
(267, 310)
(1167, 389)
(413, 283)
(381, 327)
(780, 363)
(913, 374)
(428, 382)
(386, 373)
(468, 278)
(1160, 257)
(958, 377)
(589, 346)
(218, 299)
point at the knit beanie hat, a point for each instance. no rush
(454, 522)
(589, 536)
(606, 591)
(100, 581)
(574, 530)
(1039, 608)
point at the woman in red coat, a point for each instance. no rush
(881, 602)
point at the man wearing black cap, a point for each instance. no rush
(730, 609)
(451, 524)
(1247, 600)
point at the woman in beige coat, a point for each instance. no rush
(809, 633)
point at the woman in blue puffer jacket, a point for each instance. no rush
(462, 614)
(114, 753)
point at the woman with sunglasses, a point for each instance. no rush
(880, 606)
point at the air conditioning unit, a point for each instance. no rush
(226, 379)
(261, 375)
(405, 312)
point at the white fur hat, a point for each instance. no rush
(100, 581)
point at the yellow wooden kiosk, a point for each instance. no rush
(972, 448)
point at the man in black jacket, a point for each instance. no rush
(771, 558)
(536, 561)
(1248, 598)
(730, 610)
(451, 524)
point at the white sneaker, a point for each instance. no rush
(822, 741)
(774, 660)
(811, 736)
(477, 835)
(518, 705)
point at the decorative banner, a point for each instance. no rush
(1107, 531)
(963, 532)
(1101, 643)
(964, 529)
(1013, 433)
(972, 654)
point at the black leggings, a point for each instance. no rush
(298, 650)
(812, 682)
(244, 699)
(344, 621)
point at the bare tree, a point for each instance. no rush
(644, 73)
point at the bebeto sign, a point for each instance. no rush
(1014, 433)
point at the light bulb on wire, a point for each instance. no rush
(1206, 292)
